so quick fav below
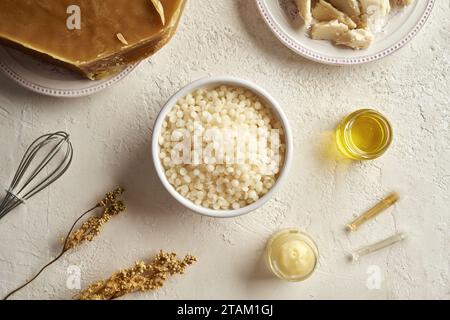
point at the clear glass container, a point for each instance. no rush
(364, 135)
(292, 255)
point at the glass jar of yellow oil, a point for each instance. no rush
(364, 135)
(292, 255)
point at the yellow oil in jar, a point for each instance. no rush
(364, 135)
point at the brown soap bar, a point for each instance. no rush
(113, 34)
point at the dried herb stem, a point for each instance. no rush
(140, 278)
(90, 229)
(63, 251)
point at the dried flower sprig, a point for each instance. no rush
(92, 227)
(111, 205)
(142, 277)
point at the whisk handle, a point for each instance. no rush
(9, 203)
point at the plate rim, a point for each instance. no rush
(330, 60)
(62, 93)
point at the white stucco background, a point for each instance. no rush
(111, 133)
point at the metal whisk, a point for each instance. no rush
(44, 162)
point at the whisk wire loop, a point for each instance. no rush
(34, 174)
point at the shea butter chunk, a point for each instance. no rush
(349, 7)
(304, 9)
(328, 30)
(324, 11)
(357, 39)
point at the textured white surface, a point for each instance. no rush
(111, 135)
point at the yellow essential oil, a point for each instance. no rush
(364, 135)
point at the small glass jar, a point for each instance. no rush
(292, 255)
(364, 135)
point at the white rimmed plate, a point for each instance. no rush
(403, 25)
(50, 80)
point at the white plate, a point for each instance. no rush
(403, 25)
(50, 80)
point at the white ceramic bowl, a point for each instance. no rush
(209, 83)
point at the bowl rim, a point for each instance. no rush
(210, 82)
